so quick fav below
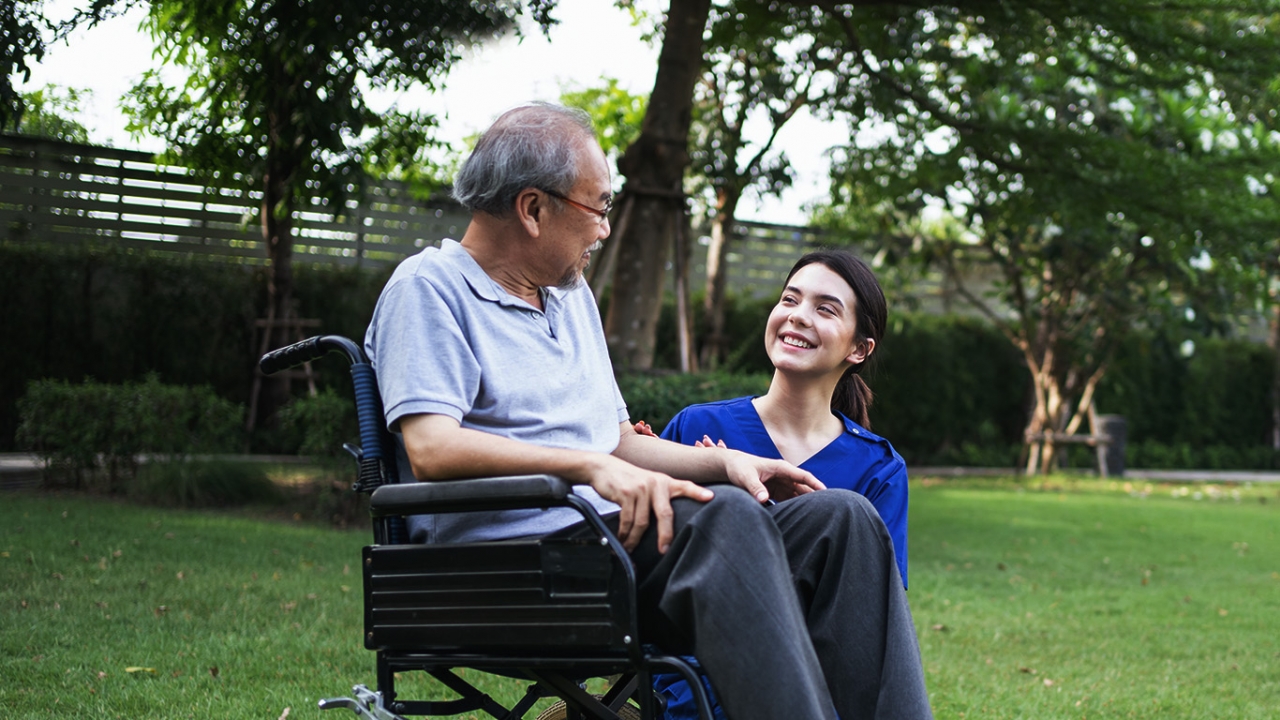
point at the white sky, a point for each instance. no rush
(592, 41)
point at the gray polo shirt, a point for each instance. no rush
(447, 339)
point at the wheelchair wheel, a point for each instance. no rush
(560, 711)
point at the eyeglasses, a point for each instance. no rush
(601, 215)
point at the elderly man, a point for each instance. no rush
(491, 360)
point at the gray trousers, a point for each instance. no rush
(794, 610)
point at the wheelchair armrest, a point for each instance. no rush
(448, 496)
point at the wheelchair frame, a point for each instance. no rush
(552, 611)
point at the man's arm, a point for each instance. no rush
(439, 448)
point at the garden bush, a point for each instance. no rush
(117, 315)
(318, 426)
(188, 482)
(949, 390)
(657, 397)
(92, 426)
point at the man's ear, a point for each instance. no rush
(531, 210)
(862, 350)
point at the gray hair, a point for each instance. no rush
(531, 146)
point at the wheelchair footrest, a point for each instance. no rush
(366, 704)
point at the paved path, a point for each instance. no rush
(19, 470)
(23, 470)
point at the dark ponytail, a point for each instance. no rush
(852, 396)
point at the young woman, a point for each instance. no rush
(827, 323)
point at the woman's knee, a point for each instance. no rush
(731, 505)
(843, 507)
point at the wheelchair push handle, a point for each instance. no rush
(313, 348)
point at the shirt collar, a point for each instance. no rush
(854, 428)
(485, 287)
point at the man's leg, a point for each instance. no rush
(847, 580)
(724, 592)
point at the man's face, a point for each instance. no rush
(574, 232)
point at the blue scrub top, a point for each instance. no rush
(858, 460)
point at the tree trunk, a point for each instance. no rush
(1055, 410)
(654, 167)
(1275, 379)
(1047, 413)
(713, 348)
(600, 272)
(277, 233)
(684, 320)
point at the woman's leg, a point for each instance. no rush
(724, 592)
(856, 609)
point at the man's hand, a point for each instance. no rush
(439, 448)
(708, 464)
(638, 492)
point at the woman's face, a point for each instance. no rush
(812, 329)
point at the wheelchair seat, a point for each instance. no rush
(551, 611)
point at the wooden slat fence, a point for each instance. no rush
(68, 193)
(761, 254)
(62, 192)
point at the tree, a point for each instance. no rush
(22, 41)
(616, 116)
(275, 94)
(654, 167)
(763, 63)
(50, 112)
(1113, 163)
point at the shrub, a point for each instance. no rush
(318, 426)
(192, 483)
(1186, 456)
(949, 390)
(971, 454)
(117, 314)
(657, 397)
(98, 426)
(1215, 397)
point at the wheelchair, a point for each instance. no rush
(552, 612)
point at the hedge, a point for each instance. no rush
(948, 389)
(91, 426)
(114, 315)
(951, 390)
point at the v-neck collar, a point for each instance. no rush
(752, 426)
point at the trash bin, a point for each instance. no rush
(1117, 428)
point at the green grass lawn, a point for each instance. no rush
(1098, 605)
(1080, 603)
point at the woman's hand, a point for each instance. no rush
(768, 479)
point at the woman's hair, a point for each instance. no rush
(852, 397)
(531, 146)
